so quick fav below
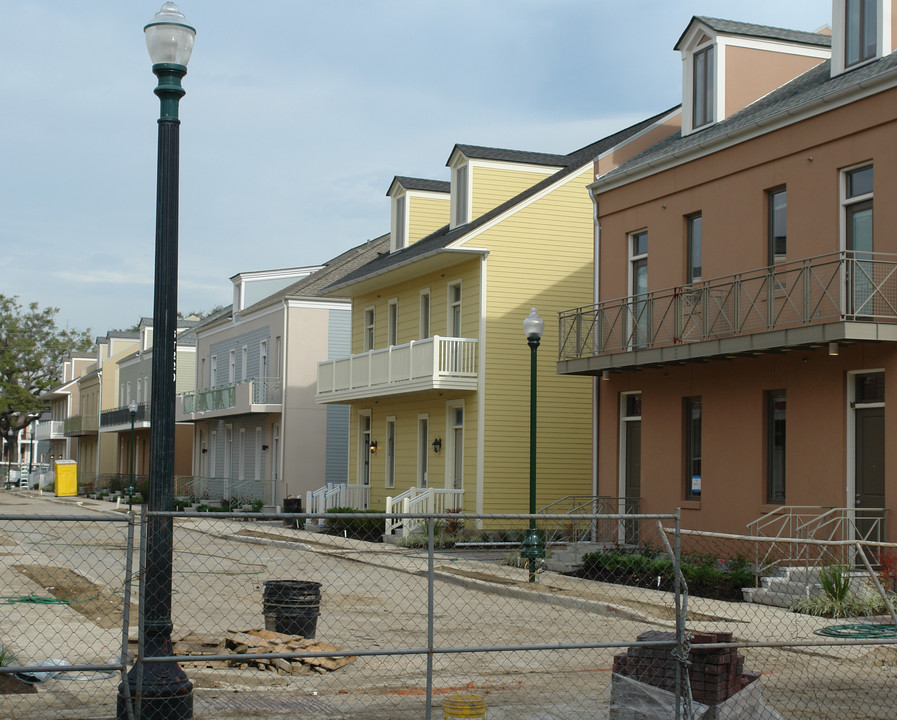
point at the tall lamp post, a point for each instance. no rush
(132, 408)
(533, 549)
(161, 690)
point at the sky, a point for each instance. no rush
(297, 117)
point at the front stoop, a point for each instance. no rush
(785, 587)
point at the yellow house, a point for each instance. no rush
(439, 376)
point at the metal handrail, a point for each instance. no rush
(825, 288)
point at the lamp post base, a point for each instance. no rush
(165, 692)
(533, 549)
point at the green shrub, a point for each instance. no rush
(837, 600)
(369, 529)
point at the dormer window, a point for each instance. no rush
(863, 32)
(460, 195)
(703, 87)
(860, 31)
(399, 223)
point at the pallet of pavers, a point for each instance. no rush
(644, 681)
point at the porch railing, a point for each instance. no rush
(590, 530)
(215, 489)
(436, 357)
(335, 495)
(420, 500)
(839, 286)
(122, 415)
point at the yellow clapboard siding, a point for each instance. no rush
(426, 214)
(492, 186)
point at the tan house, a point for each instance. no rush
(745, 310)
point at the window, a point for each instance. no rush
(146, 389)
(460, 192)
(244, 362)
(456, 443)
(128, 393)
(139, 389)
(213, 371)
(258, 454)
(693, 413)
(213, 454)
(400, 222)
(704, 95)
(424, 314)
(858, 239)
(232, 367)
(368, 329)
(860, 31)
(228, 451)
(695, 232)
(454, 310)
(241, 455)
(638, 286)
(869, 388)
(777, 213)
(775, 446)
(364, 447)
(392, 322)
(263, 359)
(390, 481)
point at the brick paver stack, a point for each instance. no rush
(715, 674)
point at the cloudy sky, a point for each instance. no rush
(297, 116)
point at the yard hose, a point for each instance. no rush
(37, 600)
(859, 631)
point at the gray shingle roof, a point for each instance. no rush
(410, 183)
(443, 237)
(812, 87)
(731, 27)
(519, 156)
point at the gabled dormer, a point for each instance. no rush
(863, 31)
(728, 65)
(483, 177)
(418, 208)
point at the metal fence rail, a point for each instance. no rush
(396, 629)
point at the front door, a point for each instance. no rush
(631, 457)
(870, 468)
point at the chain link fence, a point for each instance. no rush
(317, 616)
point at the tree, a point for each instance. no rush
(31, 350)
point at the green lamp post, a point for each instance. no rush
(533, 548)
(161, 690)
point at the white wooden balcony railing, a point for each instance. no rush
(778, 306)
(417, 500)
(334, 495)
(50, 430)
(443, 363)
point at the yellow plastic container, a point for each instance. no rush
(66, 478)
(464, 705)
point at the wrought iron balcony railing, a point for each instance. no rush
(844, 286)
(81, 425)
(262, 391)
(122, 415)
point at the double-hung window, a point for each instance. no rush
(777, 216)
(704, 88)
(368, 329)
(392, 322)
(860, 31)
(775, 446)
(693, 423)
(695, 268)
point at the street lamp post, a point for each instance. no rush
(533, 549)
(132, 408)
(161, 690)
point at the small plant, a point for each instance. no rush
(835, 581)
(837, 599)
(257, 505)
(6, 657)
(180, 504)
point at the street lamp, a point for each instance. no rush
(132, 408)
(533, 549)
(162, 691)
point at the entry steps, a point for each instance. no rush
(784, 587)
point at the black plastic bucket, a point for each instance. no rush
(292, 607)
(292, 505)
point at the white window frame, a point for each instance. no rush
(244, 363)
(364, 446)
(213, 453)
(213, 371)
(389, 475)
(450, 307)
(425, 306)
(399, 222)
(369, 328)
(450, 443)
(392, 322)
(846, 202)
(263, 359)
(232, 366)
(258, 454)
(241, 453)
(461, 194)
(228, 451)
(883, 38)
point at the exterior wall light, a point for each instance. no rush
(437, 445)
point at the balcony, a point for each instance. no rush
(78, 425)
(841, 297)
(120, 418)
(258, 395)
(437, 363)
(52, 430)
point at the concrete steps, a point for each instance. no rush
(784, 587)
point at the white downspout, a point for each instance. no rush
(595, 380)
